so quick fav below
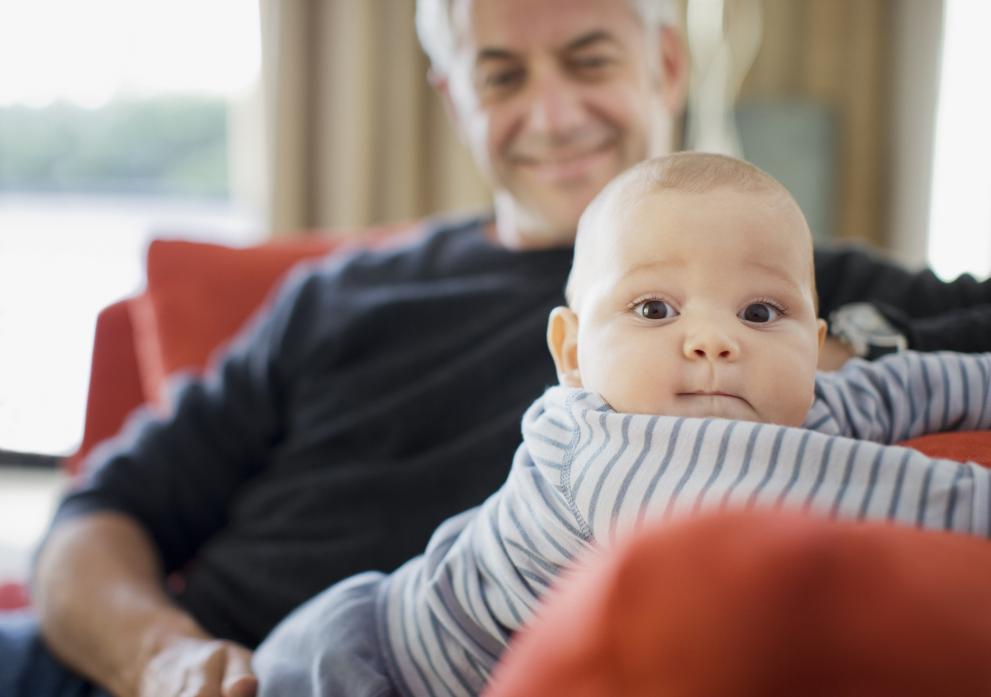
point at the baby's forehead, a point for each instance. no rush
(631, 214)
(672, 227)
(635, 193)
(688, 184)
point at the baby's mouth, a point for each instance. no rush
(713, 397)
(708, 393)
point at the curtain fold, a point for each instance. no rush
(355, 134)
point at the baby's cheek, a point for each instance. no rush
(793, 389)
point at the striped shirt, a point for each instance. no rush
(586, 475)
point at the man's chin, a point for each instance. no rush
(543, 222)
(560, 210)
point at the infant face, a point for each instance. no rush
(702, 304)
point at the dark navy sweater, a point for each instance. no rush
(380, 395)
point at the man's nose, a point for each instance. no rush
(556, 105)
(712, 343)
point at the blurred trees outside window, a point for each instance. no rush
(120, 121)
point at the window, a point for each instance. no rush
(960, 217)
(120, 121)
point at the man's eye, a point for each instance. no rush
(760, 313)
(502, 79)
(655, 309)
(589, 65)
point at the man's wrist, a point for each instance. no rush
(160, 632)
(866, 331)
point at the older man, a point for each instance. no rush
(336, 433)
(334, 437)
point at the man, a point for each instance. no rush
(335, 434)
(316, 452)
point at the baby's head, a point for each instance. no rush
(693, 294)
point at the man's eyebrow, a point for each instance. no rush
(577, 44)
(590, 39)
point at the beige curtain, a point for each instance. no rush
(355, 134)
(838, 53)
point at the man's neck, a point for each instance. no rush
(512, 230)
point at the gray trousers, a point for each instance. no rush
(327, 647)
(27, 667)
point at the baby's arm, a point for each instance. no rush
(905, 395)
(623, 468)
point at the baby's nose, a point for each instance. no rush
(711, 343)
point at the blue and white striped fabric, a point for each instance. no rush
(586, 475)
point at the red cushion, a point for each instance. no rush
(13, 596)
(963, 446)
(114, 382)
(198, 295)
(762, 604)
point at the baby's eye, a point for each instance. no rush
(655, 309)
(760, 313)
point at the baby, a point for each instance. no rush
(693, 294)
(687, 362)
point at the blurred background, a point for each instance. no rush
(237, 120)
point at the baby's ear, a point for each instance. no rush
(562, 340)
(823, 332)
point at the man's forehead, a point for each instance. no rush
(527, 25)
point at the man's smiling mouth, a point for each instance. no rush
(566, 165)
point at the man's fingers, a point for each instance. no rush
(201, 677)
(200, 668)
(241, 686)
(239, 680)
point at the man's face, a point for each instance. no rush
(554, 98)
(702, 305)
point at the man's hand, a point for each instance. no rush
(116, 625)
(199, 668)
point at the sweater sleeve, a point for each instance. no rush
(851, 274)
(905, 395)
(965, 329)
(933, 314)
(177, 474)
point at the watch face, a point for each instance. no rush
(866, 330)
(869, 322)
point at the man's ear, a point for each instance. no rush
(442, 86)
(823, 332)
(562, 340)
(675, 65)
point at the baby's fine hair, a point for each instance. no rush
(690, 172)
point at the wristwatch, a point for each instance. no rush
(867, 332)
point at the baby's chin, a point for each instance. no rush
(708, 406)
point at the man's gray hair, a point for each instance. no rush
(436, 32)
